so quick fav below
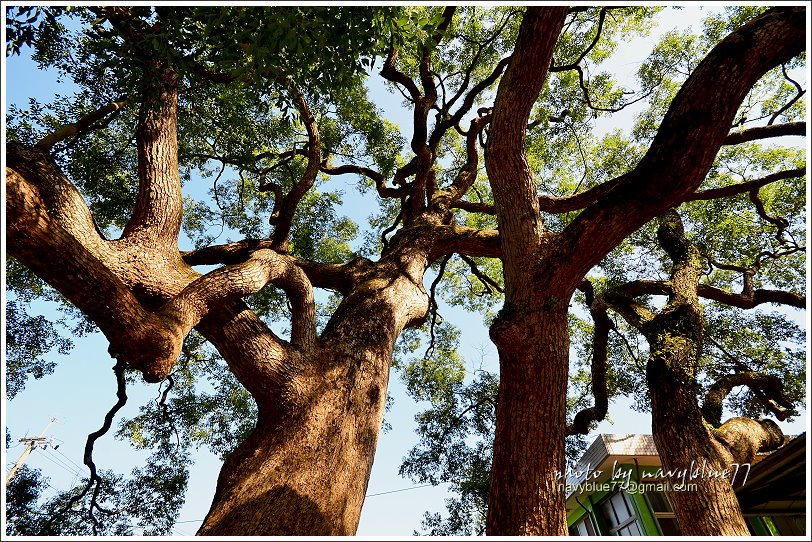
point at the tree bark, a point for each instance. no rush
(530, 425)
(305, 467)
(530, 332)
(684, 440)
(542, 269)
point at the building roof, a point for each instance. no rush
(619, 447)
(777, 482)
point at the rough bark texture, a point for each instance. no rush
(530, 332)
(542, 269)
(304, 469)
(684, 440)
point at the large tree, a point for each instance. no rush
(268, 96)
(685, 433)
(542, 268)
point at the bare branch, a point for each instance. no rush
(572, 65)
(433, 307)
(489, 283)
(94, 482)
(758, 297)
(768, 389)
(390, 73)
(467, 103)
(799, 92)
(84, 124)
(551, 204)
(287, 207)
(582, 422)
(764, 132)
(467, 174)
(380, 183)
(741, 188)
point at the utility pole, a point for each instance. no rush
(31, 443)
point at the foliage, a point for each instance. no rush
(235, 145)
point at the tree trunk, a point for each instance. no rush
(680, 433)
(306, 470)
(683, 442)
(530, 425)
(305, 467)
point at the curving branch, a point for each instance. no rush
(287, 206)
(582, 422)
(749, 300)
(799, 92)
(780, 223)
(497, 71)
(236, 281)
(94, 481)
(453, 120)
(392, 74)
(433, 306)
(467, 174)
(380, 183)
(768, 389)
(338, 277)
(582, 56)
(742, 438)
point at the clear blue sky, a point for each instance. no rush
(83, 386)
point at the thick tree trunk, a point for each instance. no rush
(680, 432)
(684, 442)
(531, 330)
(530, 425)
(305, 470)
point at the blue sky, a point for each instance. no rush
(83, 386)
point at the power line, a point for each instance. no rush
(53, 459)
(370, 495)
(402, 489)
(78, 466)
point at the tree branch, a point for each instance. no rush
(743, 438)
(697, 123)
(489, 283)
(799, 92)
(758, 297)
(287, 207)
(768, 389)
(464, 241)
(572, 65)
(380, 183)
(82, 125)
(741, 188)
(391, 73)
(764, 132)
(582, 422)
(446, 199)
(443, 126)
(236, 281)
